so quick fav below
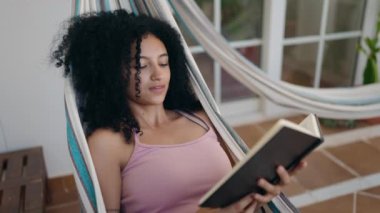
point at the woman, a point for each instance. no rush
(153, 146)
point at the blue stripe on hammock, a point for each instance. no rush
(107, 5)
(80, 165)
(273, 207)
(77, 7)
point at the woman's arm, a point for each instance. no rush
(105, 147)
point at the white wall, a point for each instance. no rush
(31, 90)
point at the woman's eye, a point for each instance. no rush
(164, 65)
(137, 67)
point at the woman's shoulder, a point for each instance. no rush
(203, 115)
(101, 136)
(106, 141)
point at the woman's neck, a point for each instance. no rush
(151, 117)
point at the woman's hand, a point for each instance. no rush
(253, 202)
(274, 190)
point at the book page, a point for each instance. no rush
(311, 123)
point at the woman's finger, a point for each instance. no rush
(284, 175)
(263, 198)
(268, 187)
(251, 208)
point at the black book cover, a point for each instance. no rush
(286, 147)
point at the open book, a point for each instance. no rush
(285, 144)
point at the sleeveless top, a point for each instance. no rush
(172, 178)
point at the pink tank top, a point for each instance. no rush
(172, 178)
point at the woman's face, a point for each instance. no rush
(155, 72)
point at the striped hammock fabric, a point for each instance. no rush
(360, 102)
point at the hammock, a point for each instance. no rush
(84, 171)
(348, 103)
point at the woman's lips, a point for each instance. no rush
(157, 89)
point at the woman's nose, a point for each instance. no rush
(157, 72)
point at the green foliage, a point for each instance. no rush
(336, 123)
(371, 69)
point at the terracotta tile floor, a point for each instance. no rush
(310, 190)
(319, 164)
(62, 195)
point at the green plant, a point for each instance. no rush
(371, 69)
(338, 123)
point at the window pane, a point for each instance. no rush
(299, 64)
(208, 9)
(233, 90)
(339, 63)
(242, 19)
(189, 38)
(206, 66)
(345, 15)
(303, 17)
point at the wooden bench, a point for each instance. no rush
(22, 181)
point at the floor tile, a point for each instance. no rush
(69, 183)
(360, 156)
(321, 171)
(250, 134)
(294, 188)
(253, 132)
(296, 118)
(266, 125)
(375, 142)
(372, 121)
(61, 190)
(365, 123)
(65, 208)
(342, 204)
(374, 191)
(367, 204)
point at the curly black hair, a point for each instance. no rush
(95, 52)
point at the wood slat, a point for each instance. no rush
(11, 200)
(14, 169)
(24, 186)
(35, 166)
(3, 162)
(34, 196)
